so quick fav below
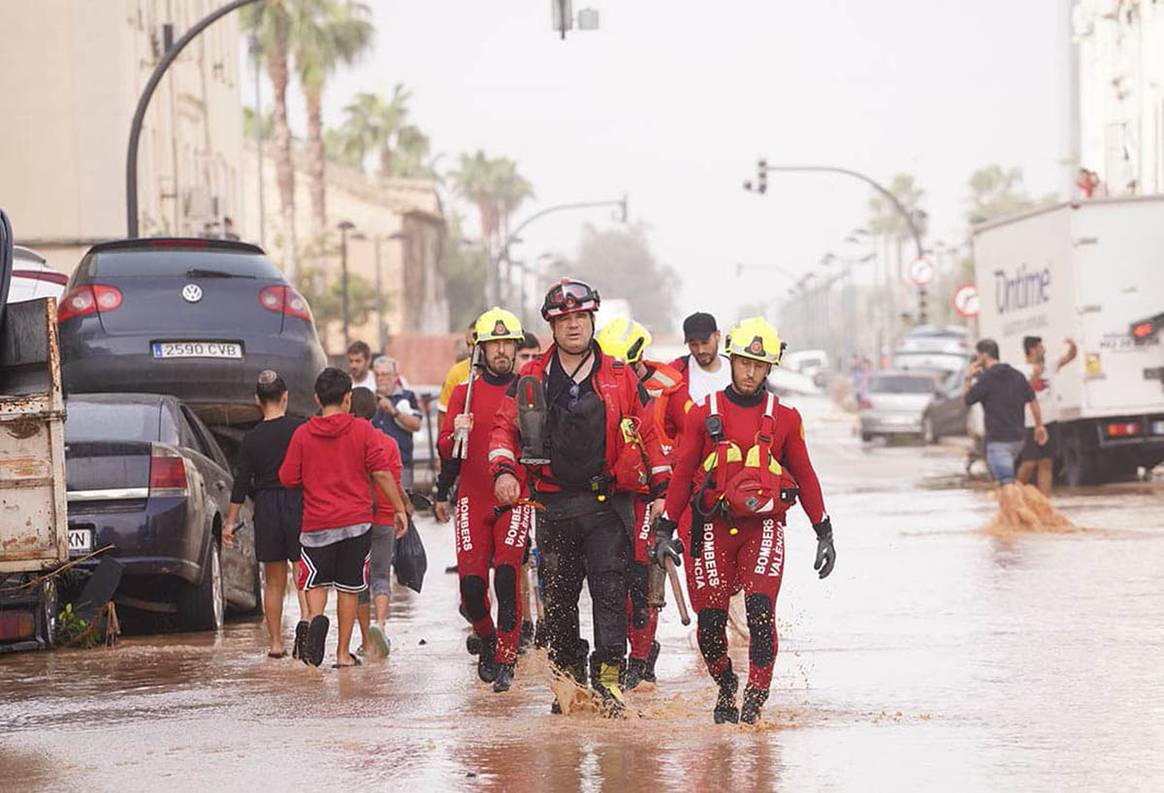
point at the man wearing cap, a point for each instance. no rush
(582, 426)
(705, 370)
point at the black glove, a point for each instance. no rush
(667, 545)
(826, 554)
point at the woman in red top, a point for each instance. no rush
(732, 455)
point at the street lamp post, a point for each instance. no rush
(345, 227)
(383, 325)
(761, 186)
(492, 287)
(143, 103)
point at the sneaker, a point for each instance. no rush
(504, 679)
(754, 699)
(486, 663)
(606, 686)
(726, 711)
(300, 638)
(378, 642)
(652, 657)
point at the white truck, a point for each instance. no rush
(33, 520)
(1092, 272)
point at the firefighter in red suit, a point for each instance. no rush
(626, 339)
(485, 530)
(583, 427)
(741, 462)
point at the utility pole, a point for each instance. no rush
(344, 227)
(256, 54)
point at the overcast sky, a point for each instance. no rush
(672, 103)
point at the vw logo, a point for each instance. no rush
(191, 293)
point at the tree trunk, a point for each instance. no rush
(316, 164)
(284, 168)
(385, 161)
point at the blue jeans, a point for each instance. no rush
(1000, 457)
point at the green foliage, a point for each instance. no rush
(885, 220)
(375, 124)
(995, 191)
(619, 263)
(71, 627)
(325, 34)
(249, 122)
(465, 265)
(325, 296)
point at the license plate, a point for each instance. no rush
(198, 349)
(80, 541)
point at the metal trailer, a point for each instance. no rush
(33, 518)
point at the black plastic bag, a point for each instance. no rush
(410, 560)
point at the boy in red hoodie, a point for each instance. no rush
(330, 458)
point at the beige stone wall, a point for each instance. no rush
(71, 72)
(402, 217)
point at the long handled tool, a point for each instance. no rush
(680, 603)
(461, 435)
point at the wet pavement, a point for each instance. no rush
(939, 655)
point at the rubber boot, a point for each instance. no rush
(636, 672)
(652, 657)
(576, 671)
(486, 663)
(725, 704)
(604, 679)
(754, 699)
(504, 679)
(473, 644)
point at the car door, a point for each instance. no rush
(949, 409)
(238, 560)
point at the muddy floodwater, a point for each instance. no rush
(940, 655)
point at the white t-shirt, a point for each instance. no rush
(369, 382)
(701, 383)
(1043, 395)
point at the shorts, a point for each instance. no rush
(1033, 451)
(342, 564)
(1000, 457)
(380, 562)
(278, 517)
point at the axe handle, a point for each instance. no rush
(461, 437)
(677, 590)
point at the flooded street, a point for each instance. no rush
(937, 655)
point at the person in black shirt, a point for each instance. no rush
(1004, 393)
(278, 511)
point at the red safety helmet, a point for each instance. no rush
(569, 297)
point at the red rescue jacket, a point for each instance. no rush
(741, 422)
(667, 387)
(618, 388)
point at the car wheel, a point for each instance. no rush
(929, 430)
(257, 589)
(201, 606)
(867, 436)
(1078, 466)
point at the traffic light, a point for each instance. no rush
(762, 176)
(921, 305)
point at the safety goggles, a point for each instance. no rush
(570, 295)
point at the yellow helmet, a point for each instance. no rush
(496, 324)
(755, 338)
(624, 338)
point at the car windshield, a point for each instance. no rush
(183, 263)
(901, 384)
(112, 421)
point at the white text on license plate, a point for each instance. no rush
(80, 540)
(197, 349)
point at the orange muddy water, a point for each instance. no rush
(939, 655)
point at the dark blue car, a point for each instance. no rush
(193, 318)
(146, 477)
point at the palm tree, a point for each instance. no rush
(374, 123)
(270, 22)
(412, 152)
(473, 180)
(510, 190)
(326, 34)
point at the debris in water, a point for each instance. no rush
(1024, 508)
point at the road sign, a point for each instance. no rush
(921, 271)
(965, 300)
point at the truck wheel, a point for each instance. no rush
(866, 436)
(46, 617)
(1078, 466)
(201, 606)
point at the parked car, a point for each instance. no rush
(145, 476)
(918, 404)
(813, 364)
(33, 278)
(194, 318)
(938, 348)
